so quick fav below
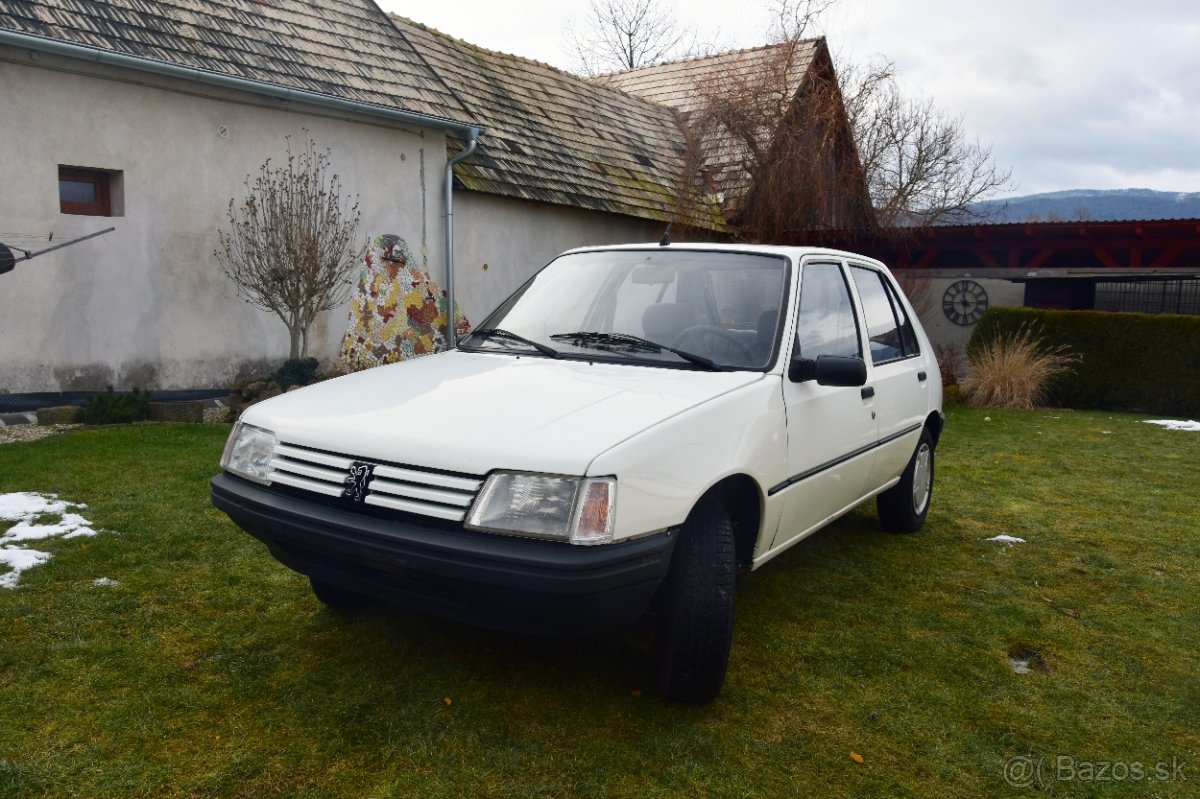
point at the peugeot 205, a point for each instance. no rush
(622, 436)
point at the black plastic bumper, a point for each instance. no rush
(502, 582)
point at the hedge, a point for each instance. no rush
(1130, 361)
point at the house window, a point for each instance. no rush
(90, 192)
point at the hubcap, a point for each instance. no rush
(922, 475)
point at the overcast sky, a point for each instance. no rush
(1070, 94)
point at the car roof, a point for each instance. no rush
(758, 249)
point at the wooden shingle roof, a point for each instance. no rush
(344, 49)
(555, 137)
(683, 84)
(765, 81)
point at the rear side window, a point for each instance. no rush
(888, 326)
(825, 324)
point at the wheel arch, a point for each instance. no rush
(934, 424)
(743, 500)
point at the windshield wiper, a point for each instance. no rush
(496, 332)
(608, 340)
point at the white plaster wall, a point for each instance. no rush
(499, 243)
(942, 332)
(147, 304)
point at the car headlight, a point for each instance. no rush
(248, 452)
(575, 509)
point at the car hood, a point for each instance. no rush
(474, 412)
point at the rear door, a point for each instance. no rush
(896, 381)
(830, 430)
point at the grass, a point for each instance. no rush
(210, 670)
(1015, 371)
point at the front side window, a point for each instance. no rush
(883, 329)
(670, 307)
(825, 324)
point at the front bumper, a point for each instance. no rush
(502, 582)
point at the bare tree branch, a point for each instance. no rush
(626, 34)
(290, 242)
(921, 167)
(793, 20)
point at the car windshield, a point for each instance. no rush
(677, 307)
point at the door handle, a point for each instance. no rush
(922, 377)
(867, 392)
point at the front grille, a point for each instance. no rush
(408, 489)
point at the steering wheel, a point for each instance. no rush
(691, 338)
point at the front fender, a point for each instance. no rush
(663, 470)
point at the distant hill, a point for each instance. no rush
(1099, 205)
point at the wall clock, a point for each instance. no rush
(964, 302)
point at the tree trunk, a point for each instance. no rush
(295, 333)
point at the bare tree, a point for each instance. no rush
(920, 164)
(626, 34)
(290, 242)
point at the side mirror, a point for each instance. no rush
(829, 370)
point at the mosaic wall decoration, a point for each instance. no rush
(397, 312)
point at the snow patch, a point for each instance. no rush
(1006, 539)
(1174, 424)
(25, 508)
(102, 581)
(19, 560)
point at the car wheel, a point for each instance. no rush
(695, 618)
(903, 507)
(335, 597)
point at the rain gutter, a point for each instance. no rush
(85, 52)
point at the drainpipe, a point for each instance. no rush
(472, 140)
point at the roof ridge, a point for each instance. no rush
(710, 56)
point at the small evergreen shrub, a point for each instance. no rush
(295, 372)
(1014, 370)
(113, 408)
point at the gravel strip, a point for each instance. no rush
(32, 432)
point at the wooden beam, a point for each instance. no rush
(1041, 258)
(988, 260)
(926, 258)
(1167, 257)
(1105, 258)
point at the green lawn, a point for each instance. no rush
(210, 670)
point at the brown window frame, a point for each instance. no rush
(100, 179)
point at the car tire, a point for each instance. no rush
(694, 628)
(335, 597)
(904, 506)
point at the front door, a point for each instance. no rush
(830, 430)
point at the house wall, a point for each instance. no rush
(499, 243)
(944, 333)
(147, 305)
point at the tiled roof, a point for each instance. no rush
(681, 84)
(340, 48)
(555, 137)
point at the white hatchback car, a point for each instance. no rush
(617, 439)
